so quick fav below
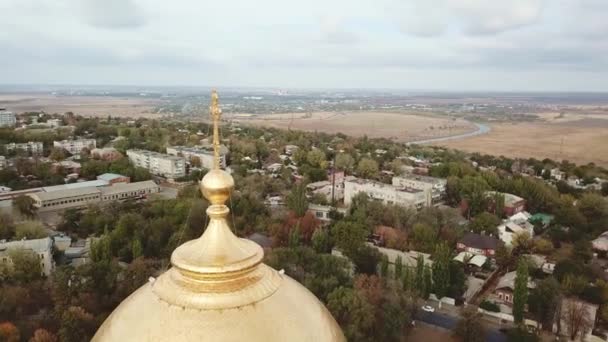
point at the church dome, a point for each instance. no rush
(219, 290)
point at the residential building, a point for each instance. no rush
(81, 197)
(43, 248)
(506, 286)
(291, 149)
(203, 154)
(3, 162)
(557, 174)
(478, 244)
(68, 165)
(579, 311)
(437, 186)
(325, 187)
(600, 244)
(31, 147)
(75, 146)
(106, 153)
(54, 123)
(515, 225)
(321, 212)
(7, 119)
(386, 193)
(513, 204)
(160, 164)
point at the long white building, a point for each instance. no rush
(7, 119)
(75, 146)
(32, 147)
(43, 248)
(437, 186)
(81, 197)
(386, 193)
(160, 164)
(205, 155)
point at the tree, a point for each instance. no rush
(297, 201)
(353, 312)
(42, 335)
(522, 242)
(543, 246)
(384, 266)
(408, 280)
(441, 270)
(544, 301)
(7, 226)
(469, 327)
(9, 332)
(520, 292)
(576, 318)
(503, 256)
(26, 266)
(367, 168)
(423, 237)
(419, 275)
(595, 209)
(428, 282)
(30, 230)
(316, 158)
(25, 205)
(499, 204)
(349, 236)
(321, 241)
(57, 154)
(398, 268)
(345, 162)
(485, 222)
(76, 325)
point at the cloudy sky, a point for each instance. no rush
(512, 45)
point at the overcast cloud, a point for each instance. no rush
(406, 44)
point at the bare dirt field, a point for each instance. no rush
(584, 140)
(81, 105)
(397, 126)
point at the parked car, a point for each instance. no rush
(428, 308)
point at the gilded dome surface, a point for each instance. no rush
(218, 288)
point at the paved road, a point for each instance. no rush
(448, 322)
(481, 129)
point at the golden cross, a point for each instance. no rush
(216, 113)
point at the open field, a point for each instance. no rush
(397, 126)
(584, 140)
(81, 105)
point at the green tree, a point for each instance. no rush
(345, 162)
(76, 325)
(30, 230)
(353, 312)
(499, 204)
(25, 205)
(408, 280)
(137, 249)
(316, 158)
(441, 270)
(384, 266)
(367, 168)
(57, 154)
(485, 223)
(520, 292)
(419, 275)
(544, 302)
(321, 241)
(398, 267)
(26, 266)
(423, 237)
(349, 236)
(469, 327)
(7, 226)
(428, 282)
(297, 201)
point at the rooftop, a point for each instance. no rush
(479, 241)
(77, 185)
(36, 245)
(107, 177)
(57, 194)
(155, 154)
(122, 187)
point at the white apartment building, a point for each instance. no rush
(68, 198)
(75, 146)
(386, 193)
(7, 119)
(43, 248)
(205, 155)
(32, 147)
(437, 186)
(160, 164)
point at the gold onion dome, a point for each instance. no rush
(218, 288)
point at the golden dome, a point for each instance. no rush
(219, 290)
